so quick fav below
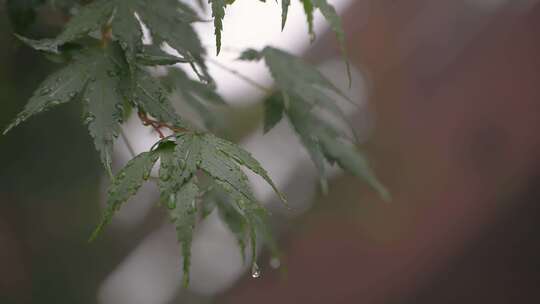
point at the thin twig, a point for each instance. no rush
(157, 125)
(241, 76)
(127, 143)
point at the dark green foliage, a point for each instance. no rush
(218, 12)
(182, 157)
(102, 99)
(284, 12)
(106, 69)
(126, 184)
(197, 95)
(302, 97)
(273, 112)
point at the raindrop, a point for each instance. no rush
(255, 271)
(89, 118)
(45, 91)
(275, 263)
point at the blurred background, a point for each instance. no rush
(449, 95)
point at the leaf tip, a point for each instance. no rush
(6, 130)
(95, 234)
(185, 280)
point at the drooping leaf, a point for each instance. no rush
(127, 30)
(325, 143)
(284, 12)
(103, 101)
(255, 217)
(238, 206)
(302, 96)
(349, 158)
(227, 211)
(183, 216)
(273, 112)
(236, 224)
(309, 9)
(242, 157)
(218, 12)
(60, 87)
(152, 55)
(199, 96)
(302, 122)
(220, 167)
(250, 55)
(294, 77)
(126, 184)
(170, 21)
(330, 14)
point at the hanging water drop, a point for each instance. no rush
(89, 118)
(275, 263)
(255, 271)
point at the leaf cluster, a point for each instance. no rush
(107, 69)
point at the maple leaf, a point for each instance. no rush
(301, 96)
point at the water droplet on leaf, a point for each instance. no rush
(255, 271)
(45, 91)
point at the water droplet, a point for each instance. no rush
(275, 263)
(45, 91)
(89, 118)
(111, 73)
(255, 271)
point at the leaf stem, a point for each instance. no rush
(158, 125)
